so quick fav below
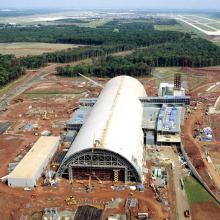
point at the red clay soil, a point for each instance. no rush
(15, 202)
(149, 85)
(21, 202)
(205, 211)
(11, 146)
(215, 123)
(194, 151)
(212, 72)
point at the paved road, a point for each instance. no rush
(181, 198)
(191, 22)
(7, 98)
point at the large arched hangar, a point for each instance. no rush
(110, 142)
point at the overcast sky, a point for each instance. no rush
(146, 4)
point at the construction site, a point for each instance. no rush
(78, 148)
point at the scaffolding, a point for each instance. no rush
(107, 165)
(177, 81)
(175, 100)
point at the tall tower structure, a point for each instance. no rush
(177, 81)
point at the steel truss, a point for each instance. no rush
(99, 158)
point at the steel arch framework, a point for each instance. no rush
(98, 158)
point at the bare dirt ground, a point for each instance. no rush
(195, 152)
(54, 197)
(196, 149)
(203, 211)
(58, 97)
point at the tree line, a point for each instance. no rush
(71, 55)
(110, 66)
(159, 48)
(10, 69)
(133, 33)
(130, 35)
(195, 52)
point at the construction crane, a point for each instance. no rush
(99, 181)
(45, 117)
(89, 188)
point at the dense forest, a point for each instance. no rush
(135, 33)
(66, 56)
(151, 48)
(108, 67)
(107, 40)
(10, 69)
(195, 52)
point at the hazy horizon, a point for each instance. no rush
(112, 4)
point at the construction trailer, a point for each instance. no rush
(31, 167)
(110, 141)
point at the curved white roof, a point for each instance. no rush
(115, 122)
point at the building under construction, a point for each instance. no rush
(114, 128)
(110, 142)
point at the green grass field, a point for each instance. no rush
(217, 166)
(95, 23)
(176, 27)
(165, 73)
(196, 193)
(216, 42)
(24, 49)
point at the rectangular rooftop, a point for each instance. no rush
(169, 119)
(78, 118)
(150, 115)
(31, 167)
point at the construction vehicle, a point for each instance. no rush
(70, 200)
(143, 215)
(45, 117)
(187, 213)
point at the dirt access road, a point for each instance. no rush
(181, 197)
(31, 79)
(38, 75)
(195, 152)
